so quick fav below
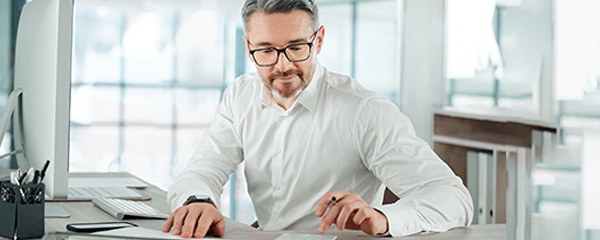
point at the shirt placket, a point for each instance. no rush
(279, 153)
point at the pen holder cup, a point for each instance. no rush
(21, 210)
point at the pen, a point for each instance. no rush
(43, 174)
(36, 177)
(20, 181)
(332, 202)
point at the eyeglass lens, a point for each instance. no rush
(294, 53)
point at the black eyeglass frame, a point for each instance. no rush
(310, 45)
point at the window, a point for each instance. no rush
(547, 65)
(148, 75)
(361, 41)
(510, 48)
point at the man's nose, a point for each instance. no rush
(283, 64)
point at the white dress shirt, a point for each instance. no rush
(336, 136)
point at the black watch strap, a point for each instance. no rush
(199, 198)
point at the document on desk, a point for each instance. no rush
(138, 232)
(118, 234)
(142, 233)
(296, 236)
(146, 233)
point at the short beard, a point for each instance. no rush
(282, 94)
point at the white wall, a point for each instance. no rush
(422, 77)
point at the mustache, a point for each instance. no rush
(287, 73)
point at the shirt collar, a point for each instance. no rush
(308, 98)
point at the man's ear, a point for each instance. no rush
(320, 38)
(247, 48)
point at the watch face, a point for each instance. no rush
(199, 198)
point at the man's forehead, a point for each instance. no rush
(277, 28)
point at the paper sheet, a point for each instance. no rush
(294, 236)
(138, 232)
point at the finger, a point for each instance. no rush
(360, 216)
(190, 223)
(347, 210)
(323, 204)
(204, 224)
(178, 221)
(167, 227)
(329, 218)
(219, 228)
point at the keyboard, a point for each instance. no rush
(121, 209)
(86, 193)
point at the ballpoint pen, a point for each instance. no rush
(36, 177)
(20, 181)
(43, 173)
(332, 202)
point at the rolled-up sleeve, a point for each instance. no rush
(432, 197)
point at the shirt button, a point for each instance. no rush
(278, 150)
(275, 219)
(278, 187)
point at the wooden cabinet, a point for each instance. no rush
(502, 134)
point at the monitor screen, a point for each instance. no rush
(43, 71)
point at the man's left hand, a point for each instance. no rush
(350, 212)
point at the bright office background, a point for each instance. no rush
(148, 74)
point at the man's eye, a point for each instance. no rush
(265, 51)
(295, 48)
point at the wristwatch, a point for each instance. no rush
(199, 198)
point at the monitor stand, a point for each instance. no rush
(5, 174)
(55, 211)
(5, 120)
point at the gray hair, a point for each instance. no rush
(280, 6)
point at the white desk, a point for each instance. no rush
(87, 212)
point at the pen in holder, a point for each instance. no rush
(21, 210)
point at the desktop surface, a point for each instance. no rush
(86, 212)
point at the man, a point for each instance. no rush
(307, 135)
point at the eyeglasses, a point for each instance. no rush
(266, 57)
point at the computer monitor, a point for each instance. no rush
(43, 71)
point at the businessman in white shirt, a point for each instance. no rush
(307, 135)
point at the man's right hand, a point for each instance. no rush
(196, 219)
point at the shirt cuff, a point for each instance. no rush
(402, 219)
